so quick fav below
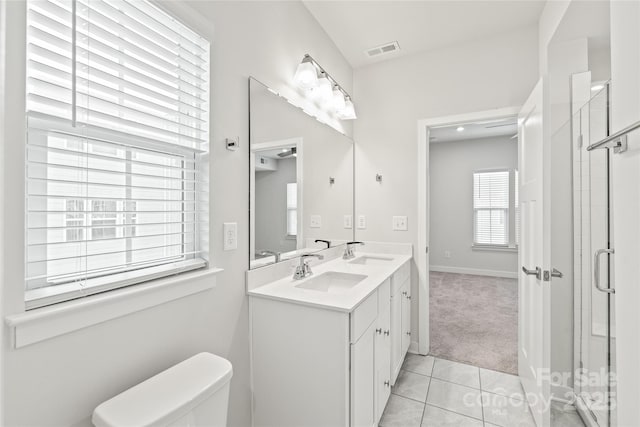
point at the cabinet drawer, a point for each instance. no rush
(400, 276)
(363, 316)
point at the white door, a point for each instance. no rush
(533, 292)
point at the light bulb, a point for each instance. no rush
(322, 92)
(348, 112)
(337, 101)
(460, 128)
(306, 75)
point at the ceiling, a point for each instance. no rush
(483, 129)
(419, 25)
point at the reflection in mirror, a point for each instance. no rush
(301, 180)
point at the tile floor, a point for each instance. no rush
(431, 391)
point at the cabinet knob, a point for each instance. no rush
(404, 293)
(386, 332)
(408, 296)
(408, 333)
(386, 383)
(379, 331)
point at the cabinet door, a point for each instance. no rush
(362, 379)
(406, 316)
(396, 335)
(383, 360)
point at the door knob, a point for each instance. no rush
(386, 383)
(537, 272)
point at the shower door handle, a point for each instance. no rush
(596, 271)
(537, 272)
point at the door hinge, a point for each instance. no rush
(427, 250)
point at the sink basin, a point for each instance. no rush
(332, 282)
(371, 260)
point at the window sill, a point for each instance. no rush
(494, 248)
(59, 319)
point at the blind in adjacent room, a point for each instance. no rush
(118, 122)
(491, 208)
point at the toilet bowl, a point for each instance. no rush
(192, 393)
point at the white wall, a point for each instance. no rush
(392, 96)
(59, 381)
(625, 69)
(452, 165)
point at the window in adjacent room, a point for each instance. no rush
(491, 208)
(117, 142)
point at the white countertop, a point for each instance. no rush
(286, 289)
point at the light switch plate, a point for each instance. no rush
(315, 221)
(230, 231)
(362, 222)
(348, 221)
(400, 223)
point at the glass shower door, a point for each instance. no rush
(594, 383)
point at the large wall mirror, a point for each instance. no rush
(301, 180)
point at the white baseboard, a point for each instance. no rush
(474, 271)
(414, 348)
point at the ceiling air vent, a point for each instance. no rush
(383, 49)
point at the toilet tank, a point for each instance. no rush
(194, 392)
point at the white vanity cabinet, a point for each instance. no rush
(318, 366)
(400, 318)
(382, 386)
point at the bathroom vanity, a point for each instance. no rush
(326, 349)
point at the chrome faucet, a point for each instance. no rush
(326, 242)
(303, 269)
(349, 251)
(275, 254)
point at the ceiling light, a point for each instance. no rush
(596, 88)
(349, 112)
(337, 100)
(460, 128)
(306, 74)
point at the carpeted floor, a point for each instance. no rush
(474, 320)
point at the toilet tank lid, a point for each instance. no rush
(166, 396)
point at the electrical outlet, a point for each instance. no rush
(400, 223)
(447, 254)
(348, 221)
(230, 231)
(362, 222)
(315, 221)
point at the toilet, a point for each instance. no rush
(192, 393)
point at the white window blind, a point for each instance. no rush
(491, 208)
(118, 122)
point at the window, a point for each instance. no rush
(491, 208)
(292, 209)
(117, 140)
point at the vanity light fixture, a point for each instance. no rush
(322, 92)
(306, 74)
(460, 128)
(324, 88)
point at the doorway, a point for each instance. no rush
(474, 237)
